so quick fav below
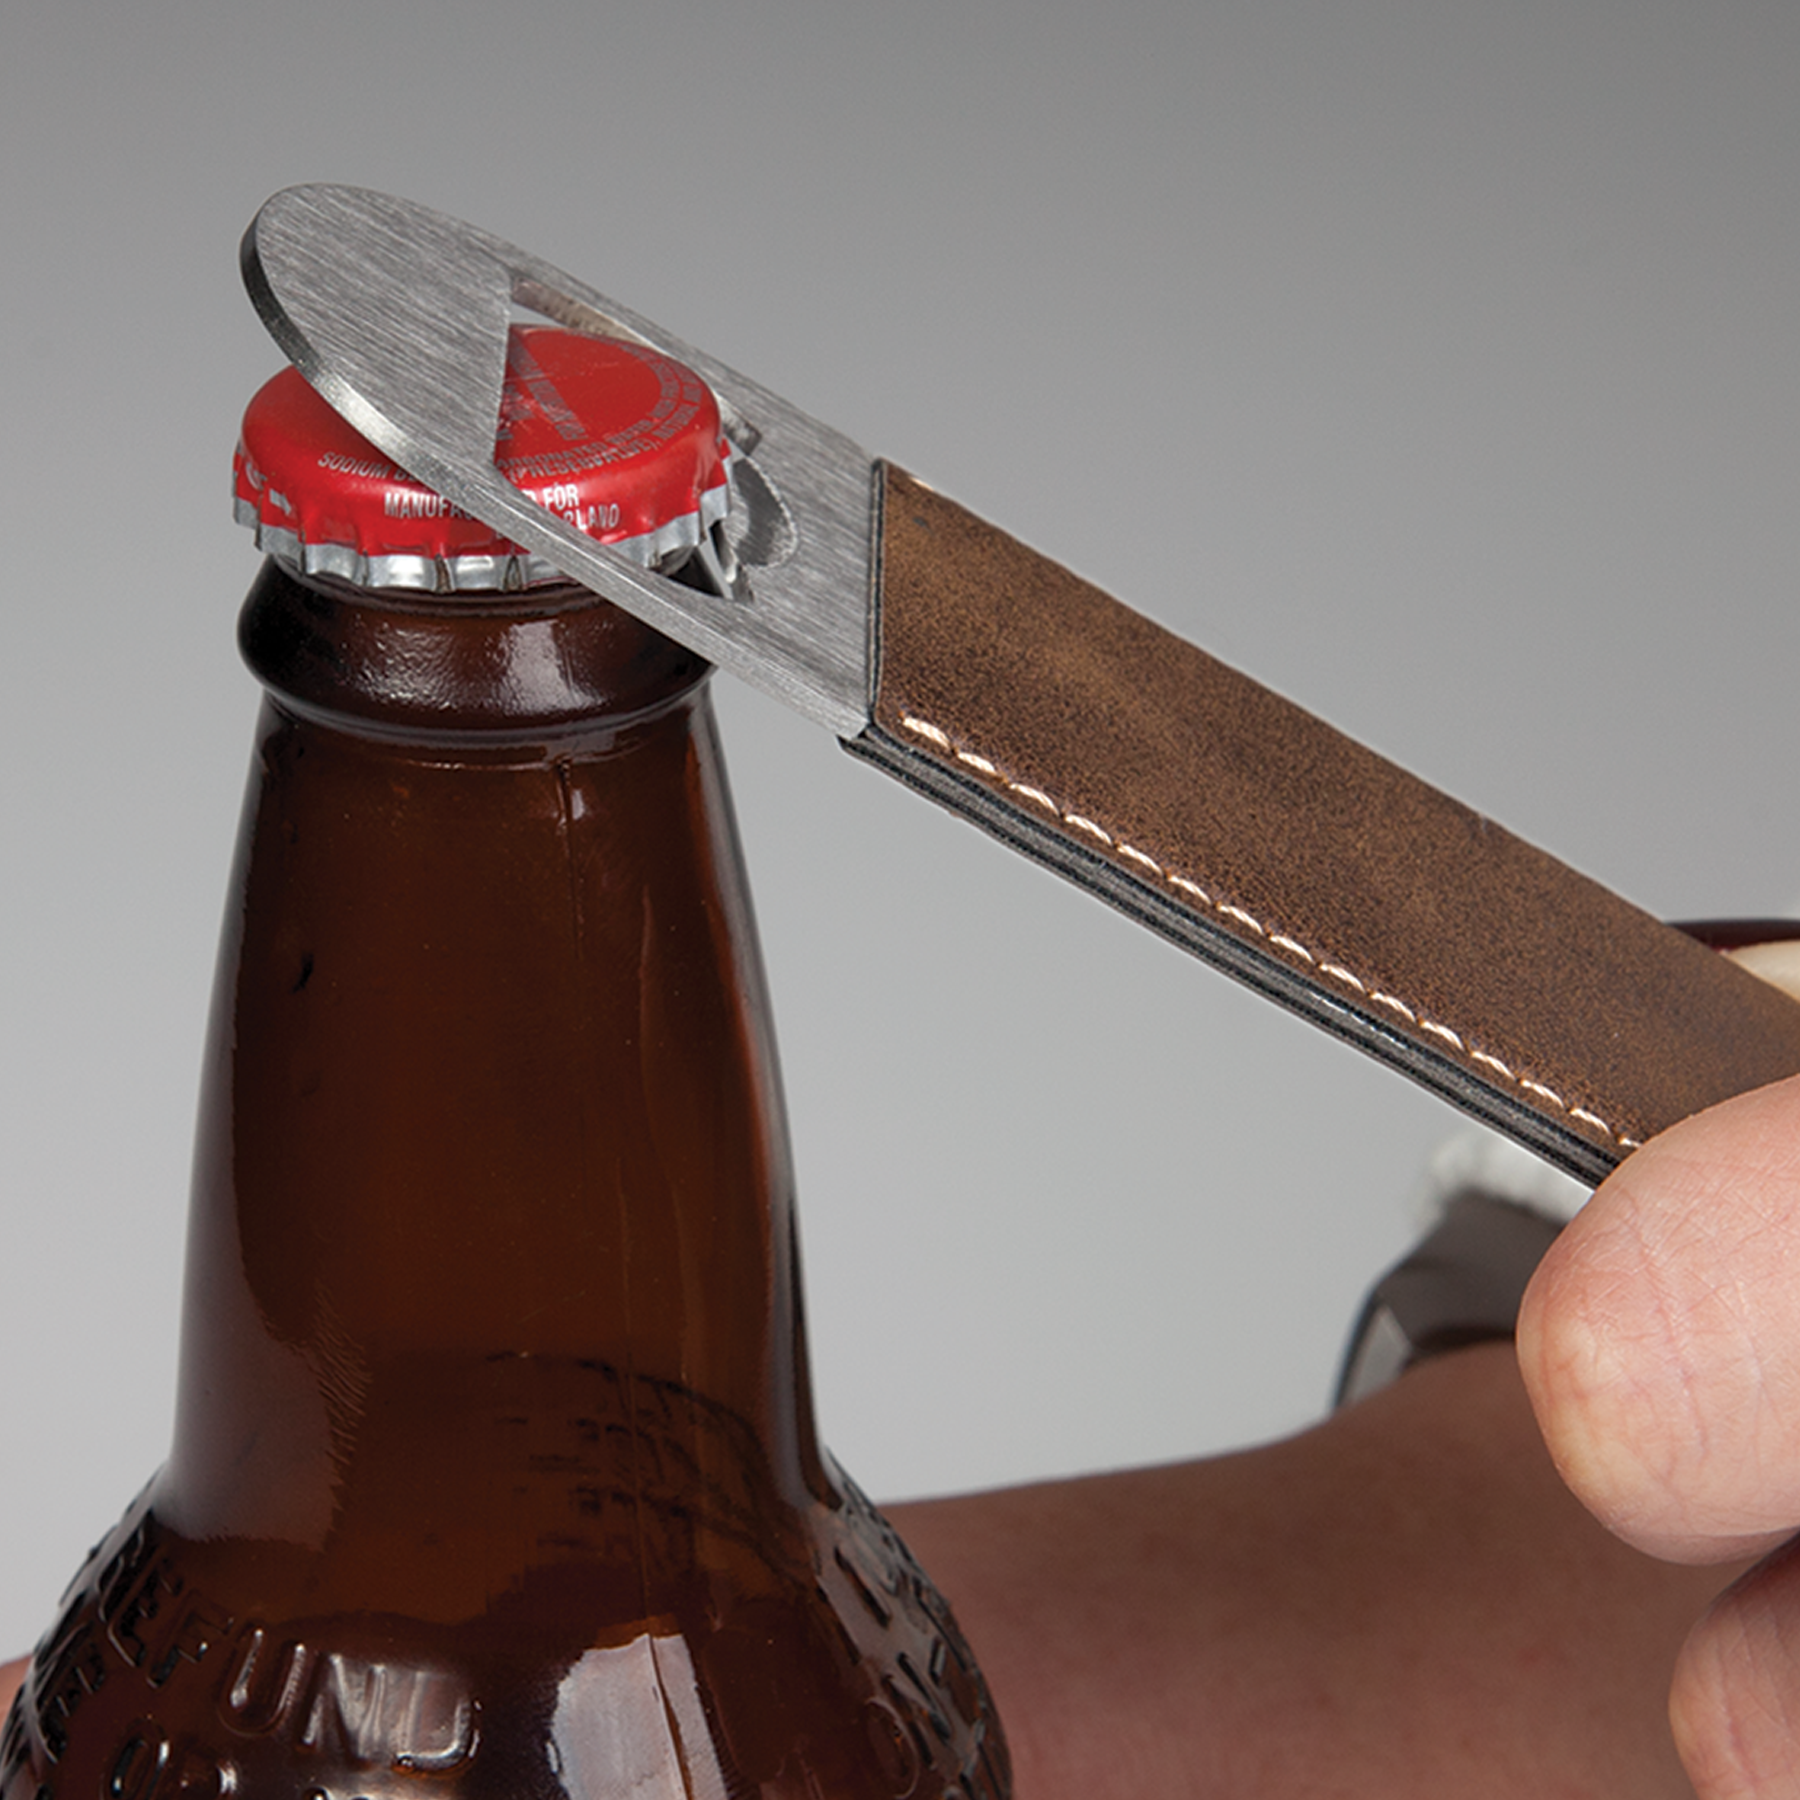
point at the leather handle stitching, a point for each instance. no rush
(1139, 859)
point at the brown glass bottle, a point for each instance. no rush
(494, 1472)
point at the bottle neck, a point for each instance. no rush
(489, 1100)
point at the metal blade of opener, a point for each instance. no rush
(399, 316)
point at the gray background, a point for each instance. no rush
(1434, 362)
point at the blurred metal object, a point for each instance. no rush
(1461, 1285)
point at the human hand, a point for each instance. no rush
(1661, 1346)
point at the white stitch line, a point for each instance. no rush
(931, 733)
(925, 730)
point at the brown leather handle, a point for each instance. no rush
(1271, 845)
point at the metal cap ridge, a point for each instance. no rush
(619, 440)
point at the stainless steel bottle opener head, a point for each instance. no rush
(399, 316)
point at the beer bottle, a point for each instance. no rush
(494, 1470)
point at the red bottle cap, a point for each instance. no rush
(618, 439)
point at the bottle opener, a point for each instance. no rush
(984, 675)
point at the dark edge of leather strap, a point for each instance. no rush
(1269, 845)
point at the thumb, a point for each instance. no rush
(1660, 1339)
